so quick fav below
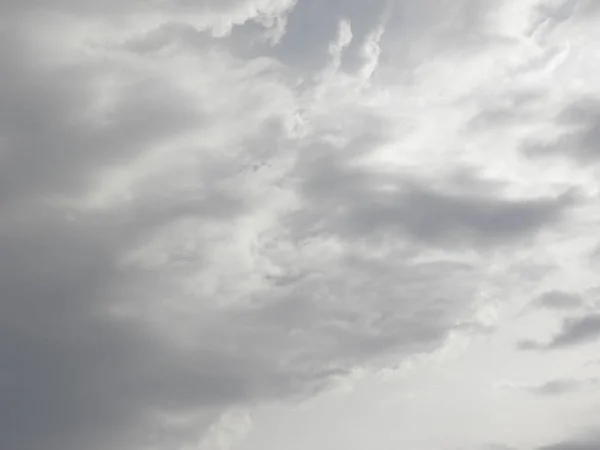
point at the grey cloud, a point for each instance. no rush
(72, 376)
(423, 30)
(529, 344)
(554, 387)
(112, 7)
(440, 217)
(415, 31)
(54, 146)
(589, 442)
(75, 375)
(557, 299)
(512, 109)
(573, 445)
(589, 8)
(574, 331)
(558, 11)
(358, 203)
(579, 141)
(552, 14)
(568, 9)
(309, 50)
(594, 255)
(558, 387)
(578, 331)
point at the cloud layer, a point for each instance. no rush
(206, 208)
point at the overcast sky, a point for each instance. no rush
(299, 224)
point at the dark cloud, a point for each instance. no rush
(113, 7)
(55, 144)
(551, 14)
(589, 8)
(580, 133)
(355, 202)
(77, 374)
(74, 375)
(100, 346)
(558, 11)
(552, 388)
(423, 30)
(529, 344)
(414, 31)
(574, 331)
(590, 442)
(559, 387)
(310, 50)
(513, 109)
(568, 9)
(569, 445)
(557, 299)
(577, 331)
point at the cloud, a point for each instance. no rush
(152, 280)
(579, 123)
(359, 202)
(310, 51)
(560, 300)
(197, 216)
(577, 331)
(590, 442)
(90, 349)
(219, 18)
(574, 331)
(510, 111)
(551, 388)
(556, 387)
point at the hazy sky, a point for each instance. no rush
(299, 224)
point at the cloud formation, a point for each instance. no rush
(579, 123)
(560, 300)
(574, 331)
(206, 209)
(585, 443)
(551, 388)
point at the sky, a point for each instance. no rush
(299, 224)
